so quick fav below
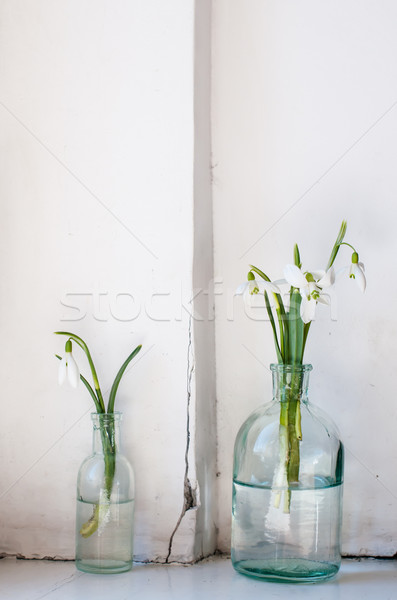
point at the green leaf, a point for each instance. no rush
(273, 324)
(305, 334)
(297, 258)
(113, 391)
(282, 323)
(339, 240)
(296, 326)
(260, 273)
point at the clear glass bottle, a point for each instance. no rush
(105, 502)
(287, 487)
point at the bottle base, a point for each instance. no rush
(287, 570)
(103, 567)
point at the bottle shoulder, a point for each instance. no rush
(263, 440)
(266, 418)
(93, 467)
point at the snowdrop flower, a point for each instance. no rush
(357, 272)
(252, 287)
(68, 368)
(310, 286)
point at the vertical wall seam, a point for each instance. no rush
(189, 497)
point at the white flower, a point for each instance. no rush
(310, 286)
(68, 368)
(357, 272)
(252, 287)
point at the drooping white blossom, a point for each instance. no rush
(357, 272)
(311, 286)
(68, 369)
(252, 286)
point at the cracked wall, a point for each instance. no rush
(195, 533)
(103, 176)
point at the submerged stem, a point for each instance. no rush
(290, 435)
(101, 508)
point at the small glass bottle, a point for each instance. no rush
(105, 502)
(287, 487)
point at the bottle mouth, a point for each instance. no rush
(281, 368)
(106, 417)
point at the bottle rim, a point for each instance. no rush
(116, 416)
(283, 368)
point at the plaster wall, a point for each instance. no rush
(97, 202)
(109, 126)
(304, 117)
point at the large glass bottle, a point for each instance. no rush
(105, 502)
(287, 487)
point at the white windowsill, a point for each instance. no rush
(215, 578)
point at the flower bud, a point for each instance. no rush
(354, 258)
(68, 346)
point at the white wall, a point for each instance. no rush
(304, 135)
(106, 229)
(97, 205)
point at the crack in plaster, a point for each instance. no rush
(60, 584)
(19, 556)
(189, 494)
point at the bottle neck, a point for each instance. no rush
(106, 429)
(290, 382)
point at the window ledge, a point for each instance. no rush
(213, 578)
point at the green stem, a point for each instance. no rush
(284, 454)
(294, 431)
(293, 441)
(109, 455)
(290, 431)
(92, 393)
(349, 245)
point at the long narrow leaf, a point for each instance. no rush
(339, 240)
(273, 324)
(113, 391)
(285, 323)
(260, 273)
(281, 329)
(305, 334)
(282, 324)
(92, 393)
(295, 329)
(297, 257)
